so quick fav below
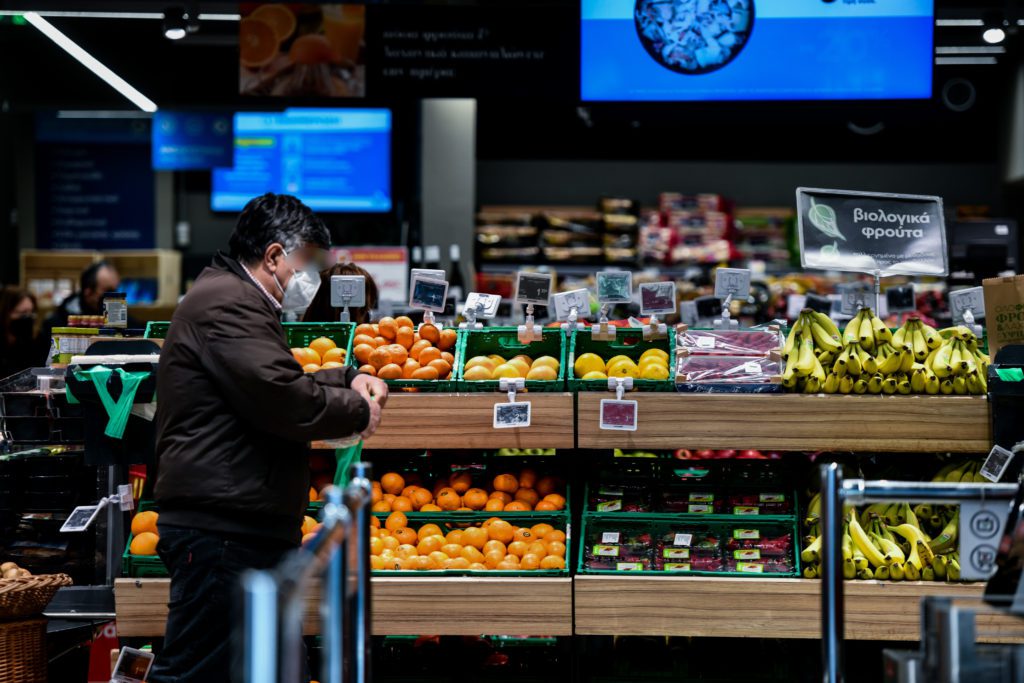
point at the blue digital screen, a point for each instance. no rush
(185, 141)
(720, 50)
(336, 160)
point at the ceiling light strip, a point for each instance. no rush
(959, 22)
(964, 61)
(90, 62)
(970, 50)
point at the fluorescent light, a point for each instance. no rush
(964, 61)
(87, 15)
(970, 50)
(994, 35)
(103, 114)
(116, 15)
(90, 62)
(959, 22)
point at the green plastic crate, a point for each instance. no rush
(297, 334)
(659, 524)
(425, 385)
(504, 342)
(447, 523)
(628, 342)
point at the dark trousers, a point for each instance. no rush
(204, 607)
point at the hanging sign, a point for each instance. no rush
(871, 232)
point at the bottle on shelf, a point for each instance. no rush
(432, 257)
(456, 283)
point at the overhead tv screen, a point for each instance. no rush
(720, 50)
(334, 160)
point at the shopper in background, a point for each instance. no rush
(18, 347)
(234, 420)
(95, 281)
(321, 310)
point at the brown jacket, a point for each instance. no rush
(235, 412)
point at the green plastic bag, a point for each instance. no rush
(118, 411)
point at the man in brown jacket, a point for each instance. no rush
(234, 418)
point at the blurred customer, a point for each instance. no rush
(321, 310)
(95, 281)
(18, 347)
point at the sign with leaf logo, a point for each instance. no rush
(871, 232)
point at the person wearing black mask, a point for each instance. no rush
(18, 347)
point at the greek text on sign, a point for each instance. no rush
(871, 232)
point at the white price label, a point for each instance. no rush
(610, 537)
(732, 281)
(683, 539)
(751, 368)
(705, 342)
(963, 300)
(512, 415)
(996, 463)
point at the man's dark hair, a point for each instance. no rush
(276, 218)
(91, 274)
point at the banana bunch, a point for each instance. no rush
(869, 358)
(812, 345)
(958, 363)
(894, 541)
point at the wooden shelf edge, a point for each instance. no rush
(794, 422)
(401, 606)
(757, 608)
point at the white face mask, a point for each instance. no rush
(298, 294)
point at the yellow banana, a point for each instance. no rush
(853, 364)
(931, 337)
(806, 359)
(959, 385)
(919, 344)
(913, 535)
(868, 363)
(851, 335)
(831, 384)
(881, 333)
(842, 360)
(826, 323)
(863, 542)
(823, 339)
(860, 386)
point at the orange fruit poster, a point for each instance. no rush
(290, 50)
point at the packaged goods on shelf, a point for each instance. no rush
(728, 342)
(740, 370)
(508, 236)
(761, 234)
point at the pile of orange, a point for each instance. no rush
(393, 349)
(508, 493)
(145, 534)
(494, 545)
(478, 368)
(321, 354)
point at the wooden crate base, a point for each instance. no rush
(401, 606)
(428, 420)
(765, 608)
(771, 422)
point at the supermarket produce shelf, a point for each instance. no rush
(418, 420)
(770, 422)
(401, 606)
(758, 608)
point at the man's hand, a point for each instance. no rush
(371, 388)
(375, 392)
(375, 413)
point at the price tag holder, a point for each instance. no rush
(81, 518)
(618, 415)
(816, 302)
(512, 415)
(996, 463)
(532, 289)
(657, 298)
(900, 299)
(614, 287)
(967, 306)
(479, 307)
(348, 291)
(571, 306)
(688, 313)
(852, 297)
(732, 282)
(429, 295)
(981, 528)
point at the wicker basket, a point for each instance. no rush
(27, 597)
(23, 651)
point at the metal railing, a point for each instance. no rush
(274, 599)
(835, 493)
